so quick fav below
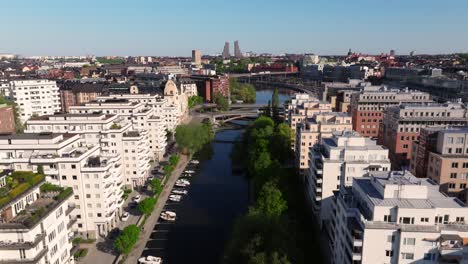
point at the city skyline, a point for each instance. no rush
(126, 29)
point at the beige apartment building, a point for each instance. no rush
(445, 158)
(302, 111)
(313, 129)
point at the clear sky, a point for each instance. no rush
(175, 27)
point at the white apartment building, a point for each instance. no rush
(35, 97)
(112, 133)
(34, 226)
(163, 111)
(311, 131)
(142, 117)
(339, 160)
(394, 217)
(96, 179)
(189, 88)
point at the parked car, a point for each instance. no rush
(137, 198)
(125, 216)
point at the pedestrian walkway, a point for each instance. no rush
(151, 221)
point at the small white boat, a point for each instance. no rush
(150, 260)
(183, 181)
(194, 162)
(181, 184)
(189, 171)
(175, 197)
(176, 191)
(168, 216)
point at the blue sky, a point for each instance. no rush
(175, 27)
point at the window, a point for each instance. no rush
(387, 218)
(454, 164)
(425, 219)
(460, 219)
(405, 146)
(462, 185)
(74, 177)
(407, 220)
(407, 255)
(409, 241)
(451, 185)
(73, 166)
(458, 150)
(453, 175)
(99, 214)
(389, 253)
(465, 165)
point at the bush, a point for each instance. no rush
(127, 239)
(49, 187)
(174, 159)
(82, 252)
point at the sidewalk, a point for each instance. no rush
(151, 221)
(102, 250)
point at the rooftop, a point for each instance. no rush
(384, 179)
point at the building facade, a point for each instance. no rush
(402, 124)
(368, 105)
(7, 119)
(35, 224)
(35, 97)
(311, 131)
(335, 163)
(96, 179)
(394, 217)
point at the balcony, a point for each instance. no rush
(70, 209)
(357, 256)
(34, 260)
(71, 222)
(22, 245)
(51, 171)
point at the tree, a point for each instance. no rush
(242, 91)
(169, 134)
(126, 240)
(221, 102)
(194, 100)
(174, 159)
(40, 169)
(156, 186)
(275, 105)
(192, 137)
(146, 206)
(270, 201)
(268, 109)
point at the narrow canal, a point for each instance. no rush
(205, 216)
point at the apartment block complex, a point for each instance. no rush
(335, 163)
(312, 130)
(96, 179)
(35, 97)
(441, 154)
(35, 224)
(297, 113)
(112, 133)
(402, 124)
(394, 217)
(142, 117)
(368, 105)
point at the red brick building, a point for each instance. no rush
(402, 124)
(73, 93)
(7, 119)
(209, 85)
(275, 67)
(368, 105)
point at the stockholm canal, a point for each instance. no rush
(205, 216)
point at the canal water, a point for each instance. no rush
(205, 216)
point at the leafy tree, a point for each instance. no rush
(169, 134)
(240, 91)
(40, 169)
(275, 104)
(125, 242)
(192, 137)
(174, 159)
(268, 109)
(156, 186)
(270, 201)
(146, 206)
(221, 102)
(194, 100)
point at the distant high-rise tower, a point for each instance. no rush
(237, 51)
(226, 54)
(392, 53)
(196, 57)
